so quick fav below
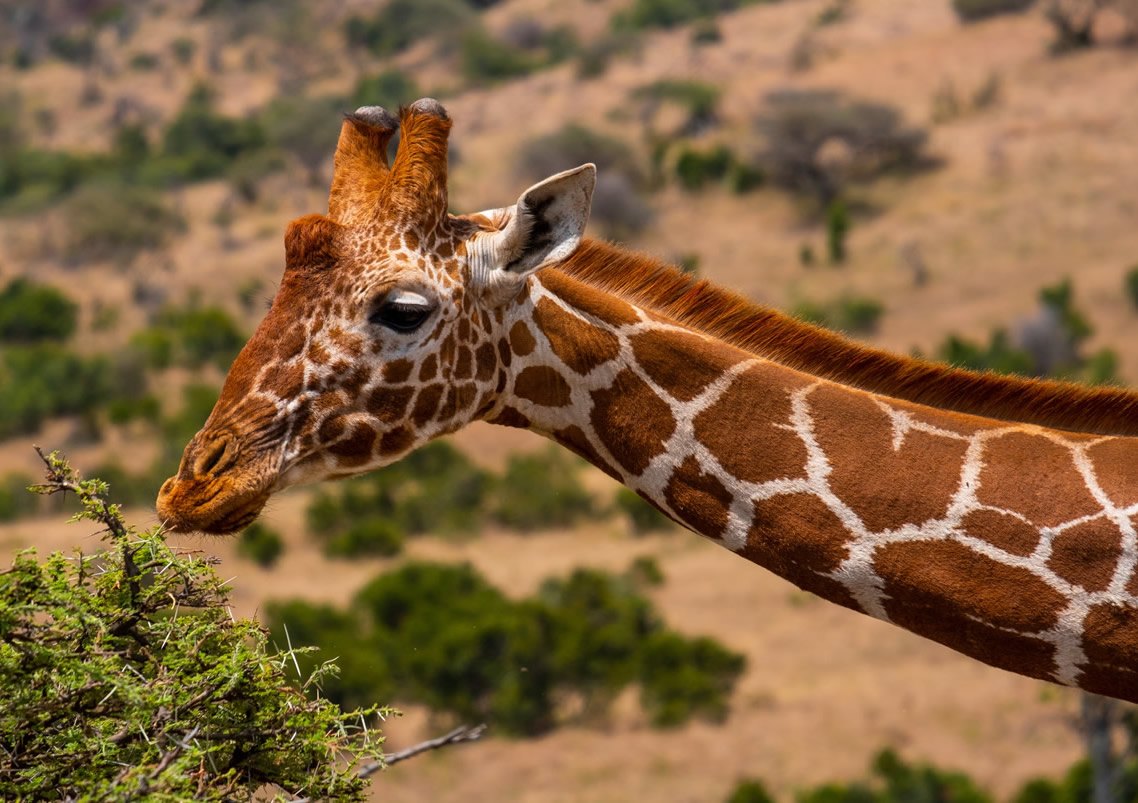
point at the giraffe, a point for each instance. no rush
(994, 515)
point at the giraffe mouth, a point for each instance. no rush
(196, 507)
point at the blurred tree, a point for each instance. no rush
(32, 312)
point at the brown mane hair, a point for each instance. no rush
(770, 334)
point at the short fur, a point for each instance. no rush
(773, 335)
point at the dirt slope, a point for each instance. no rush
(1042, 185)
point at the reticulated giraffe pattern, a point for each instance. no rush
(1012, 543)
(994, 515)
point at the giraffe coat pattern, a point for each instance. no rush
(991, 514)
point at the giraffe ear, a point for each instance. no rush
(545, 226)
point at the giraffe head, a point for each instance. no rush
(384, 332)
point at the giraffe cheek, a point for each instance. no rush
(389, 405)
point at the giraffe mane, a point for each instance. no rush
(773, 335)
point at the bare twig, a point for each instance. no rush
(463, 733)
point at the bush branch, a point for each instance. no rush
(463, 733)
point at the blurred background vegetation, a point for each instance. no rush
(953, 178)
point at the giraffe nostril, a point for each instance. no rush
(214, 456)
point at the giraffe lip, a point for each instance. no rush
(238, 519)
(213, 518)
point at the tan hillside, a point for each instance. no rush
(1039, 185)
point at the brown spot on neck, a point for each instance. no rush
(632, 422)
(542, 385)
(798, 537)
(683, 364)
(1035, 477)
(700, 499)
(745, 428)
(913, 478)
(578, 343)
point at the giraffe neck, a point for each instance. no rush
(1011, 543)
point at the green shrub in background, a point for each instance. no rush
(799, 126)
(190, 336)
(437, 490)
(390, 88)
(15, 499)
(742, 177)
(750, 791)
(131, 149)
(304, 126)
(897, 781)
(976, 10)
(542, 490)
(45, 380)
(116, 221)
(125, 677)
(602, 623)
(260, 544)
(174, 432)
(851, 314)
(434, 489)
(594, 56)
(837, 227)
(143, 62)
(78, 48)
(183, 49)
(377, 536)
(670, 13)
(1051, 344)
(1130, 284)
(682, 678)
(705, 32)
(697, 98)
(695, 168)
(401, 23)
(894, 781)
(203, 334)
(31, 178)
(575, 145)
(201, 143)
(442, 636)
(486, 60)
(999, 355)
(32, 312)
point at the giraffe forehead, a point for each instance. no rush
(389, 251)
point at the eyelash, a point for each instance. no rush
(400, 317)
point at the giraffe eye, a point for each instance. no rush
(404, 313)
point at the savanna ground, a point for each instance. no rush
(1040, 185)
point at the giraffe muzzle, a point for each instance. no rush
(214, 491)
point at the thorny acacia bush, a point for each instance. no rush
(125, 676)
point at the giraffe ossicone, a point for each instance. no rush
(994, 515)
